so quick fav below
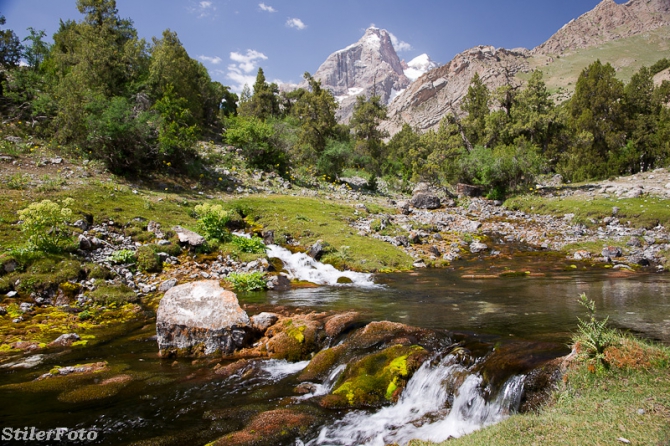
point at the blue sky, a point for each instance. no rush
(288, 37)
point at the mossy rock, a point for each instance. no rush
(295, 339)
(92, 392)
(344, 280)
(376, 379)
(66, 383)
(386, 333)
(96, 271)
(322, 363)
(270, 428)
(113, 294)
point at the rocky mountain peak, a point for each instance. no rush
(371, 64)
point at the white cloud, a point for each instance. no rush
(241, 72)
(295, 23)
(266, 8)
(203, 9)
(399, 45)
(213, 60)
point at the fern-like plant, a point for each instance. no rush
(594, 335)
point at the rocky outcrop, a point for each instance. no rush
(369, 65)
(606, 22)
(440, 91)
(201, 318)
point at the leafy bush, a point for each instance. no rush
(248, 281)
(212, 221)
(253, 245)
(259, 141)
(123, 256)
(334, 159)
(46, 224)
(118, 136)
(148, 260)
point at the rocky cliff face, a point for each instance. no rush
(608, 21)
(371, 63)
(433, 95)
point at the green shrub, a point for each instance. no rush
(253, 245)
(122, 256)
(148, 260)
(259, 140)
(118, 136)
(248, 281)
(212, 220)
(46, 224)
(85, 315)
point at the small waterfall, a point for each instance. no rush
(427, 409)
(300, 266)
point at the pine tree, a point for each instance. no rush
(368, 115)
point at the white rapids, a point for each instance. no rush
(300, 266)
(427, 410)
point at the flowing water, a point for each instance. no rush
(529, 319)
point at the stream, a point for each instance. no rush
(183, 402)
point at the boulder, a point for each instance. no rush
(403, 207)
(425, 200)
(612, 252)
(167, 284)
(189, 237)
(477, 247)
(84, 243)
(316, 250)
(201, 318)
(279, 283)
(65, 340)
(263, 321)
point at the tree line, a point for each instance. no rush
(101, 91)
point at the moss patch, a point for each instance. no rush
(377, 378)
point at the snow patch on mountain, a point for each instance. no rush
(419, 66)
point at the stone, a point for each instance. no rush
(65, 340)
(424, 200)
(477, 247)
(582, 255)
(634, 242)
(189, 237)
(403, 241)
(11, 294)
(414, 238)
(419, 264)
(316, 250)
(10, 265)
(262, 321)
(421, 187)
(612, 252)
(84, 243)
(615, 211)
(25, 307)
(81, 224)
(268, 237)
(201, 318)
(434, 250)
(404, 208)
(166, 285)
(56, 160)
(279, 283)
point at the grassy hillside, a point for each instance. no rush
(626, 56)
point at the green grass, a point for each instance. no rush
(644, 212)
(595, 408)
(310, 219)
